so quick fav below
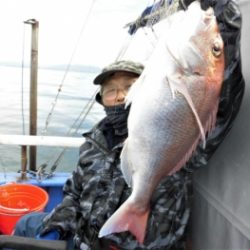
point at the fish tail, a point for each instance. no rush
(126, 219)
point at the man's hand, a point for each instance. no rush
(51, 235)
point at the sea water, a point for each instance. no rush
(76, 92)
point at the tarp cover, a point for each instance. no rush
(221, 209)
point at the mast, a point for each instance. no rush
(33, 89)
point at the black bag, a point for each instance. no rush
(230, 21)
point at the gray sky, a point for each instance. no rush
(60, 25)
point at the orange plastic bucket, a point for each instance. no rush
(17, 200)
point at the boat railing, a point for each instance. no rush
(31, 140)
(34, 140)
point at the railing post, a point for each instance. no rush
(24, 162)
(33, 90)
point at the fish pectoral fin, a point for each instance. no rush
(172, 88)
(177, 85)
(126, 166)
(126, 219)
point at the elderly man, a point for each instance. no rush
(97, 187)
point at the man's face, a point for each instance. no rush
(116, 87)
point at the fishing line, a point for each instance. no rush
(44, 131)
(87, 108)
(124, 47)
(41, 169)
(54, 166)
(128, 39)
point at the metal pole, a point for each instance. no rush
(24, 163)
(33, 89)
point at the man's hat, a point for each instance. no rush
(127, 66)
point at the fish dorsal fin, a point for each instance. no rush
(177, 85)
(126, 166)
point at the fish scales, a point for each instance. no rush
(173, 106)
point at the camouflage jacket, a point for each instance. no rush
(97, 188)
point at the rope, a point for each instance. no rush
(158, 11)
(67, 70)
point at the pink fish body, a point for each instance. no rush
(174, 106)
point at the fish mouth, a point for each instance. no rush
(209, 12)
(208, 20)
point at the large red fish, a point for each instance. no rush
(174, 106)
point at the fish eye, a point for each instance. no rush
(216, 49)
